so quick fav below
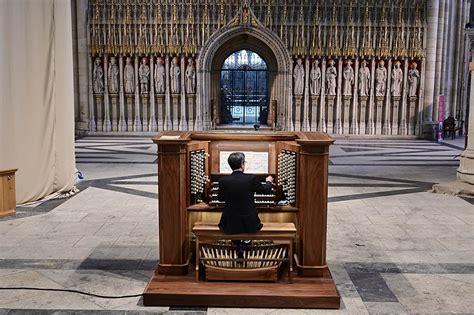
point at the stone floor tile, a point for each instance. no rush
(448, 256)
(430, 231)
(385, 308)
(457, 244)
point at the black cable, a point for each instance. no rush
(75, 291)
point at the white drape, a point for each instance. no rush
(36, 96)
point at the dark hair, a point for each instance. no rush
(235, 160)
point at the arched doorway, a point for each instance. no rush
(244, 89)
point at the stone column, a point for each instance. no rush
(107, 125)
(298, 100)
(183, 123)
(346, 113)
(338, 125)
(362, 113)
(395, 107)
(160, 111)
(322, 107)
(439, 60)
(370, 129)
(386, 109)
(129, 100)
(99, 102)
(152, 121)
(430, 66)
(465, 172)
(412, 115)
(167, 124)
(305, 126)
(354, 108)
(191, 106)
(378, 114)
(289, 109)
(145, 103)
(114, 105)
(314, 112)
(137, 123)
(122, 125)
(92, 124)
(402, 127)
(330, 113)
(82, 65)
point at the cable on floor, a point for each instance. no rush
(74, 291)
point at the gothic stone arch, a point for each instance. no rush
(233, 38)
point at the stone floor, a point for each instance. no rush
(393, 246)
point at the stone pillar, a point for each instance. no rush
(107, 125)
(338, 125)
(412, 115)
(298, 100)
(402, 127)
(346, 113)
(82, 66)
(183, 123)
(122, 125)
(160, 109)
(362, 113)
(114, 105)
(314, 112)
(137, 123)
(305, 126)
(378, 114)
(439, 60)
(175, 102)
(289, 109)
(370, 129)
(129, 100)
(465, 172)
(395, 107)
(322, 107)
(167, 124)
(92, 124)
(353, 129)
(152, 121)
(430, 65)
(386, 109)
(330, 113)
(191, 106)
(145, 103)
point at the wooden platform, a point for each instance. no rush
(186, 291)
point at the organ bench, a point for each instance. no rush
(190, 165)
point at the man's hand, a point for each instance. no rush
(269, 179)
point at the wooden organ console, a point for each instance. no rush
(190, 165)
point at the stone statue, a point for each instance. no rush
(113, 76)
(298, 74)
(190, 77)
(159, 76)
(331, 74)
(348, 74)
(397, 77)
(364, 79)
(98, 77)
(315, 76)
(380, 79)
(174, 75)
(413, 78)
(129, 76)
(144, 74)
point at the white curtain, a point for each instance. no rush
(36, 96)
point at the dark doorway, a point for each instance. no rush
(244, 89)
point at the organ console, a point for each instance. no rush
(190, 165)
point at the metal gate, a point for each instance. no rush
(244, 89)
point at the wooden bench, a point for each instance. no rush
(279, 233)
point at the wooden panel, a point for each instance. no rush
(242, 274)
(2, 203)
(186, 291)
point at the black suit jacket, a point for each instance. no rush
(240, 214)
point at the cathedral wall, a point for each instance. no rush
(352, 67)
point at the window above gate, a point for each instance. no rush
(244, 60)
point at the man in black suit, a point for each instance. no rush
(237, 190)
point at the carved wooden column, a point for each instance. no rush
(314, 159)
(174, 252)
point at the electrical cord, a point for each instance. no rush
(74, 291)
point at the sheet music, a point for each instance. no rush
(255, 162)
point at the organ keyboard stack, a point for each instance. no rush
(190, 165)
